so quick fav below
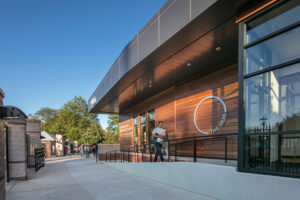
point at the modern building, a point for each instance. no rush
(225, 72)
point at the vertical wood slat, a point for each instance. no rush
(175, 107)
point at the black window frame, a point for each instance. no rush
(242, 45)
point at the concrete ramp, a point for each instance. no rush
(215, 181)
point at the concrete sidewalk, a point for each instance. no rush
(76, 178)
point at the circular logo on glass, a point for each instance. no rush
(221, 122)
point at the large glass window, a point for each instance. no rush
(272, 101)
(271, 98)
(278, 154)
(143, 135)
(277, 18)
(151, 124)
(135, 132)
(274, 51)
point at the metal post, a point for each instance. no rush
(128, 156)
(105, 156)
(195, 150)
(175, 152)
(142, 153)
(7, 154)
(110, 156)
(150, 151)
(169, 151)
(35, 157)
(115, 155)
(225, 149)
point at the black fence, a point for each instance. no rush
(146, 152)
(39, 157)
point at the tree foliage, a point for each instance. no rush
(73, 120)
(112, 131)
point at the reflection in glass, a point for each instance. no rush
(271, 21)
(272, 101)
(151, 124)
(143, 136)
(274, 51)
(272, 153)
(135, 132)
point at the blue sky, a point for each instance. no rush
(52, 50)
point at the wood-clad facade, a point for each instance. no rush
(175, 107)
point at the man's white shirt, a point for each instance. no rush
(160, 132)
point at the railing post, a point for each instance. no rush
(34, 159)
(142, 153)
(175, 152)
(150, 151)
(115, 155)
(128, 156)
(169, 151)
(225, 149)
(105, 156)
(195, 150)
(110, 156)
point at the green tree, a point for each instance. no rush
(45, 113)
(73, 120)
(111, 135)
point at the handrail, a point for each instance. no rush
(177, 141)
(202, 136)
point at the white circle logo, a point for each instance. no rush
(223, 118)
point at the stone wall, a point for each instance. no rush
(2, 163)
(33, 134)
(17, 149)
(103, 148)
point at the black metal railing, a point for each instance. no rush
(39, 158)
(145, 152)
(196, 140)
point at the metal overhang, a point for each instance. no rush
(196, 43)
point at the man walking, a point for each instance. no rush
(81, 150)
(96, 152)
(87, 151)
(158, 134)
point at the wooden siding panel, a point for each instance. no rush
(126, 134)
(176, 105)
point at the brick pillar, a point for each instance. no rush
(2, 163)
(59, 144)
(33, 134)
(17, 149)
(48, 146)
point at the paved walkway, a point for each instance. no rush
(76, 178)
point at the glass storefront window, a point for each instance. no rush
(275, 19)
(151, 124)
(271, 130)
(272, 101)
(272, 153)
(274, 51)
(135, 132)
(143, 136)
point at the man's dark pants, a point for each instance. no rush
(158, 152)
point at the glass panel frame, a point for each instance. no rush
(265, 144)
(271, 21)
